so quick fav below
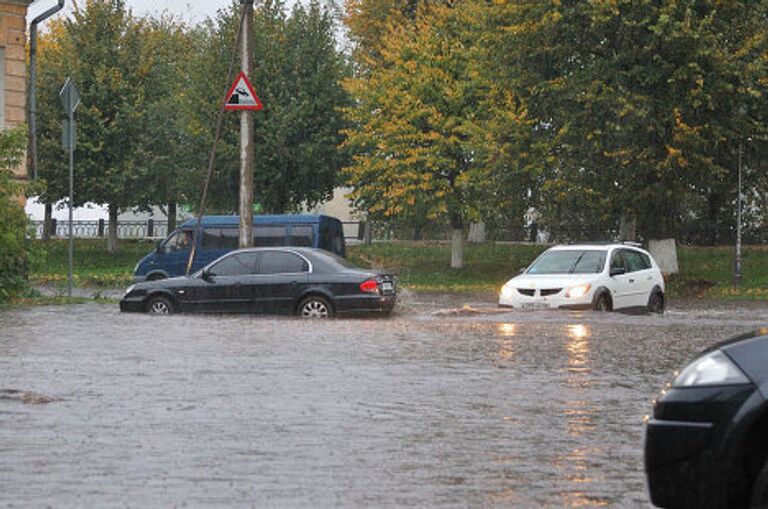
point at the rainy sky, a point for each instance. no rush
(190, 10)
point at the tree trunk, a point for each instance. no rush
(112, 246)
(457, 239)
(48, 222)
(627, 229)
(476, 233)
(417, 232)
(171, 217)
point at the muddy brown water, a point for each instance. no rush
(427, 409)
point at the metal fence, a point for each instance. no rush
(355, 231)
(149, 229)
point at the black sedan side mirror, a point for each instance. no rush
(617, 271)
(206, 276)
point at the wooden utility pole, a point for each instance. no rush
(246, 139)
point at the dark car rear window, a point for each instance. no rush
(277, 262)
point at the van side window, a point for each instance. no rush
(301, 236)
(338, 244)
(220, 238)
(266, 236)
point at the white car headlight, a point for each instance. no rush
(579, 291)
(507, 291)
(713, 369)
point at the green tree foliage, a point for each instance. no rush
(102, 49)
(416, 142)
(165, 147)
(14, 244)
(636, 108)
(592, 113)
(297, 70)
(369, 21)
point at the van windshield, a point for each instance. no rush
(569, 262)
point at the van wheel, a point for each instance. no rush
(759, 498)
(656, 303)
(602, 304)
(159, 305)
(315, 307)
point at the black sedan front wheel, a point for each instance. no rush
(315, 307)
(159, 305)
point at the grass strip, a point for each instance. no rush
(705, 272)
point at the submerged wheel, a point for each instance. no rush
(759, 497)
(315, 307)
(656, 303)
(159, 305)
(602, 304)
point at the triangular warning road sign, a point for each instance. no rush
(242, 96)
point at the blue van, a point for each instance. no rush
(220, 234)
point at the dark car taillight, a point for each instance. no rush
(370, 286)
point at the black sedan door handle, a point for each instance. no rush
(631, 280)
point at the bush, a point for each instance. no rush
(14, 243)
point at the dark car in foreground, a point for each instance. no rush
(706, 444)
(308, 282)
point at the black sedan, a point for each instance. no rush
(707, 443)
(308, 282)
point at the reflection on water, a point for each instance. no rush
(507, 330)
(578, 331)
(580, 412)
(578, 350)
(506, 345)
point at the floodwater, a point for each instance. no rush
(426, 409)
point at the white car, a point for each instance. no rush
(601, 277)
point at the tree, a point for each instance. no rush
(14, 244)
(633, 105)
(166, 147)
(100, 47)
(416, 123)
(296, 75)
(369, 21)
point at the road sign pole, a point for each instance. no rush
(70, 99)
(246, 140)
(71, 143)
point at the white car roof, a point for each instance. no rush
(594, 247)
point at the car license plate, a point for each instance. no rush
(531, 306)
(386, 286)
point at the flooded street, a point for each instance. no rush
(449, 409)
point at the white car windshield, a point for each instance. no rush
(569, 262)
